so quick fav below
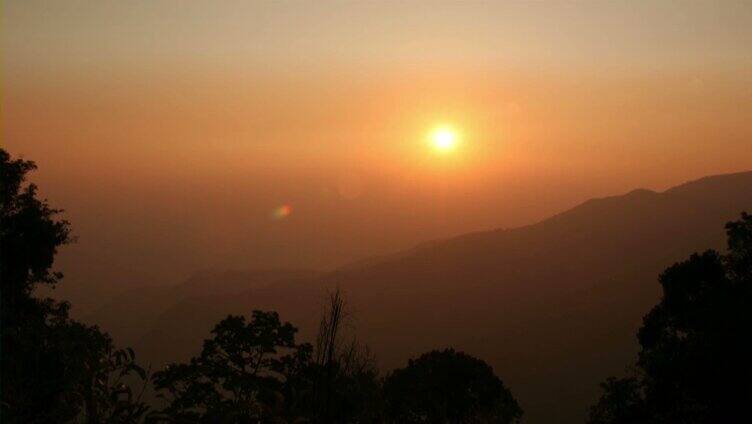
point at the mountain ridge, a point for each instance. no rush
(531, 300)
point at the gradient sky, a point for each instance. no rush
(173, 132)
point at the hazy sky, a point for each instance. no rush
(170, 131)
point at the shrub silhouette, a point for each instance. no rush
(340, 382)
(695, 364)
(448, 387)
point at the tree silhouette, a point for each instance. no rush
(339, 384)
(621, 403)
(695, 362)
(239, 375)
(53, 368)
(448, 387)
(255, 371)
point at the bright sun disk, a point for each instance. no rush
(444, 139)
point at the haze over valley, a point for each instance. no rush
(376, 212)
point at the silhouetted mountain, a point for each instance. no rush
(118, 317)
(553, 306)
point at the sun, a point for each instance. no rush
(444, 139)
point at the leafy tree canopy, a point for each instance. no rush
(695, 361)
(53, 368)
(239, 375)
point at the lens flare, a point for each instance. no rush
(281, 212)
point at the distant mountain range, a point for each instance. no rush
(553, 307)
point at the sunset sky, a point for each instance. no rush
(298, 133)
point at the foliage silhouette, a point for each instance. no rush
(239, 374)
(694, 364)
(53, 368)
(448, 387)
(343, 373)
(255, 371)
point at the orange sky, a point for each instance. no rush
(176, 128)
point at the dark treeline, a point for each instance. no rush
(695, 361)
(54, 369)
(693, 366)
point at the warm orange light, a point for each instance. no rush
(444, 139)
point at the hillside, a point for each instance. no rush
(128, 328)
(532, 301)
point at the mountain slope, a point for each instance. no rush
(553, 307)
(129, 314)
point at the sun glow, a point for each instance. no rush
(444, 139)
